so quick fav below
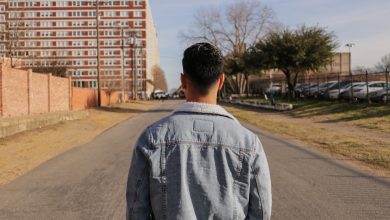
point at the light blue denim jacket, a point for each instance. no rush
(198, 163)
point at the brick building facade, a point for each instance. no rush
(66, 33)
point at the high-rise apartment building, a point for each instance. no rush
(67, 33)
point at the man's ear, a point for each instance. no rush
(221, 81)
(184, 81)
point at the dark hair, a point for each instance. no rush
(203, 64)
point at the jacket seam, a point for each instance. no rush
(253, 171)
(203, 143)
(239, 168)
(163, 183)
(260, 197)
(137, 188)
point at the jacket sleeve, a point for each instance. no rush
(137, 193)
(260, 198)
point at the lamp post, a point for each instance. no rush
(133, 42)
(98, 50)
(134, 47)
(350, 45)
(122, 59)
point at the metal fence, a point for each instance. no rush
(368, 87)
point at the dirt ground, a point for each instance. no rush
(25, 151)
(365, 147)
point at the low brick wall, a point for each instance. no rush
(11, 126)
(83, 98)
(24, 93)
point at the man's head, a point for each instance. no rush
(202, 66)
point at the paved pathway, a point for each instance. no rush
(89, 181)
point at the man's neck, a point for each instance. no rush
(207, 100)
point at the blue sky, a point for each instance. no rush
(363, 22)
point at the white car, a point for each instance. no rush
(335, 93)
(159, 94)
(360, 92)
(275, 89)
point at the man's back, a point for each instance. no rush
(199, 163)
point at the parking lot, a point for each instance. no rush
(367, 87)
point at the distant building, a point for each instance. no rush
(64, 33)
(340, 64)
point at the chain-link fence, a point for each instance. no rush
(364, 87)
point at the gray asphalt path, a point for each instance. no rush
(89, 181)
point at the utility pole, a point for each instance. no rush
(98, 51)
(350, 45)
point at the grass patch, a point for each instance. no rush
(370, 116)
(366, 149)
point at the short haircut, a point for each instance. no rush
(203, 64)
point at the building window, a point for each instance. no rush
(138, 3)
(137, 14)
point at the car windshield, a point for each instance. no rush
(346, 86)
(334, 86)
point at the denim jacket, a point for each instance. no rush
(198, 163)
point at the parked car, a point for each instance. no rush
(274, 89)
(334, 86)
(334, 93)
(159, 94)
(323, 91)
(301, 88)
(360, 92)
(320, 90)
(381, 95)
(347, 93)
(311, 88)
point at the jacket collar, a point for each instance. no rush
(203, 108)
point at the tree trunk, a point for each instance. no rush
(247, 85)
(291, 86)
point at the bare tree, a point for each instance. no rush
(233, 29)
(384, 63)
(109, 87)
(56, 67)
(159, 80)
(16, 29)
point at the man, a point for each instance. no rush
(199, 162)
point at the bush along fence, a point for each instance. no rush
(235, 100)
(364, 87)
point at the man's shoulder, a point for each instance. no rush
(224, 129)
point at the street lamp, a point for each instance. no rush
(98, 50)
(350, 45)
(134, 46)
(133, 42)
(122, 59)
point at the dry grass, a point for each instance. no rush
(25, 151)
(372, 150)
(373, 116)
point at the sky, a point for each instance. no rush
(362, 22)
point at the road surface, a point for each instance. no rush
(89, 181)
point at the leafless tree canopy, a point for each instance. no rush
(232, 28)
(56, 67)
(16, 29)
(159, 78)
(384, 63)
